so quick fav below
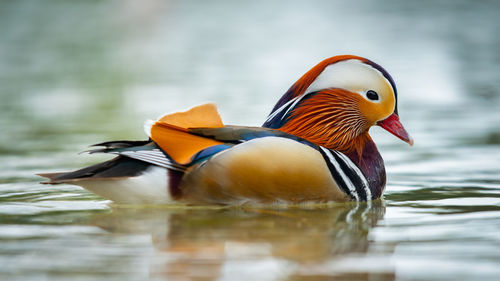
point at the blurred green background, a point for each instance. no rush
(73, 73)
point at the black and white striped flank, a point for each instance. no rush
(347, 175)
(153, 156)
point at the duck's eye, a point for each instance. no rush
(372, 95)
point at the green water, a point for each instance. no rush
(73, 73)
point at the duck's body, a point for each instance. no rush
(314, 147)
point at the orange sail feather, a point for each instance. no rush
(171, 132)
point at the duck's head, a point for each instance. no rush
(336, 102)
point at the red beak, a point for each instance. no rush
(394, 126)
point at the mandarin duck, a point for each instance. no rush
(313, 147)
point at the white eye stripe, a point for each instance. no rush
(352, 75)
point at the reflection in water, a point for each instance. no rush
(216, 243)
(74, 73)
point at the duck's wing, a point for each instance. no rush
(239, 134)
(236, 134)
(149, 153)
(191, 145)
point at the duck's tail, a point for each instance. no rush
(124, 180)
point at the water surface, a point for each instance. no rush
(81, 72)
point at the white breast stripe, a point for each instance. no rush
(350, 75)
(346, 179)
(355, 168)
